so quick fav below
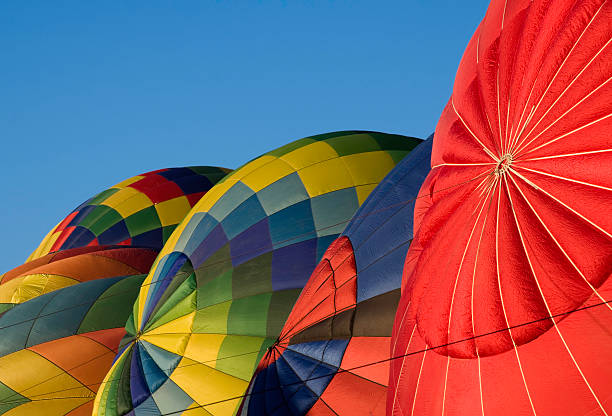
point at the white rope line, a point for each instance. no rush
(487, 151)
(605, 188)
(501, 298)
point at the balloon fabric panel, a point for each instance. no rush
(55, 271)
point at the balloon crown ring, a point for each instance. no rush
(274, 346)
(504, 164)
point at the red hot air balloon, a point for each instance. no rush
(506, 285)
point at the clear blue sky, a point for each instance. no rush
(94, 92)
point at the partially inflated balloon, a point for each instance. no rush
(141, 211)
(225, 282)
(516, 237)
(56, 349)
(344, 316)
(66, 268)
(117, 232)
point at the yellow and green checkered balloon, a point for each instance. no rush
(226, 280)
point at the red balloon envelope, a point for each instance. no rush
(505, 285)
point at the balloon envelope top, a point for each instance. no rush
(141, 211)
(225, 282)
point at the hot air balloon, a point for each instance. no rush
(66, 268)
(117, 232)
(344, 316)
(56, 348)
(225, 282)
(505, 308)
(140, 211)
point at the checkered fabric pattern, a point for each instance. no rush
(140, 211)
(226, 280)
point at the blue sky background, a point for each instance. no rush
(94, 92)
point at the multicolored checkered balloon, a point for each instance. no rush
(140, 211)
(225, 282)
